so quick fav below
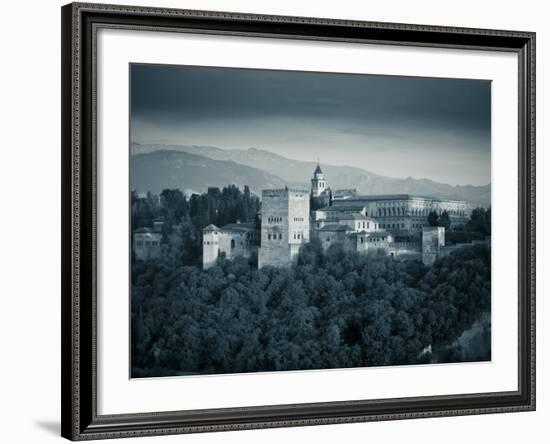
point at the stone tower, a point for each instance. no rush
(211, 246)
(433, 238)
(318, 182)
(285, 225)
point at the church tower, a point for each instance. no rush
(318, 182)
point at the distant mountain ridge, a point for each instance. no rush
(157, 170)
(278, 171)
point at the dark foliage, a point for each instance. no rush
(477, 228)
(184, 219)
(144, 210)
(315, 203)
(329, 310)
(480, 221)
(443, 220)
(433, 219)
(462, 236)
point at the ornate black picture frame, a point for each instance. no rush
(80, 420)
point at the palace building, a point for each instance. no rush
(405, 214)
(146, 241)
(395, 223)
(229, 241)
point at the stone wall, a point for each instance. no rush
(147, 245)
(433, 238)
(210, 248)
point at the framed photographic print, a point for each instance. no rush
(280, 221)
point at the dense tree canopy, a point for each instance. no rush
(184, 218)
(330, 309)
(477, 228)
(480, 221)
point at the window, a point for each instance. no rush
(280, 235)
(232, 243)
(269, 237)
(328, 239)
(139, 243)
(361, 239)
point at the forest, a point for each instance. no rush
(332, 309)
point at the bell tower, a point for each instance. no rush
(318, 182)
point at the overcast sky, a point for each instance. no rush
(396, 126)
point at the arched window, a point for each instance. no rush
(232, 243)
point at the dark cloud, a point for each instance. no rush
(180, 92)
(445, 121)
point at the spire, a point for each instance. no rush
(318, 169)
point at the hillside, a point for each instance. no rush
(157, 170)
(282, 170)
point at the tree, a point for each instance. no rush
(173, 208)
(480, 221)
(445, 221)
(144, 210)
(433, 219)
(316, 203)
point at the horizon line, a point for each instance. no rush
(294, 160)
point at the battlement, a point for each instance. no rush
(284, 226)
(281, 192)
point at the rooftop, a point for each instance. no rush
(284, 190)
(369, 234)
(210, 227)
(239, 227)
(350, 207)
(354, 216)
(392, 197)
(334, 227)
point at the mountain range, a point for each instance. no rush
(195, 168)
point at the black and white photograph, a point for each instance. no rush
(244, 222)
(295, 220)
